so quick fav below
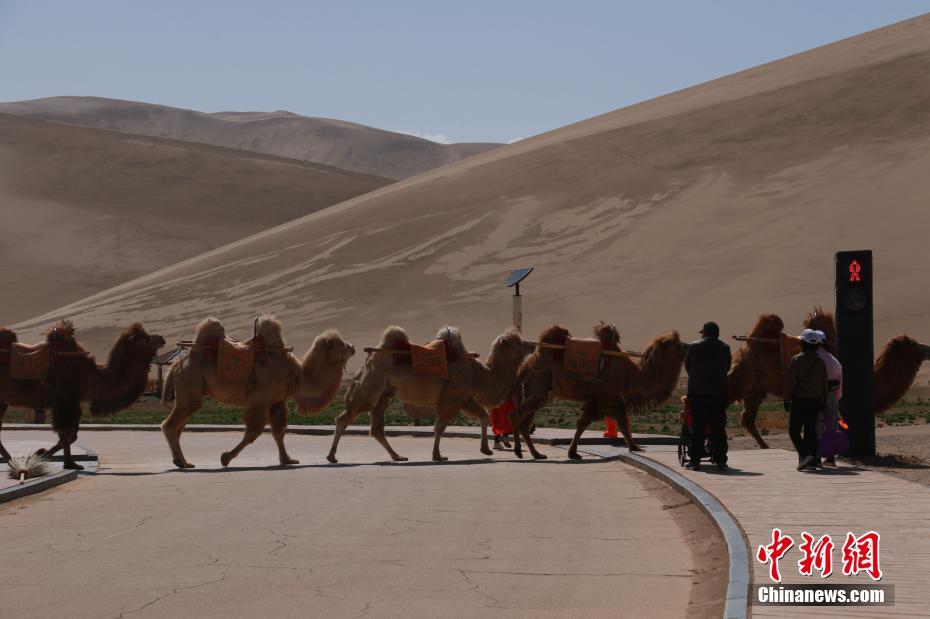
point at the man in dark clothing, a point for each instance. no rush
(707, 364)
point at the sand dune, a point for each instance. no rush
(716, 202)
(83, 210)
(320, 140)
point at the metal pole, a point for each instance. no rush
(517, 309)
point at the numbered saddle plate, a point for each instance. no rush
(430, 360)
(582, 358)
(234, 363)
(29, 362)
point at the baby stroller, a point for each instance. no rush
(684, 439)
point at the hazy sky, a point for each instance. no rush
(464, 70)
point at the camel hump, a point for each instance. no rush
(395, 337)
(210, 329)
(555, 335)
(608, 335)
(269, 329)
(7, 337)
(62, 332)
(768, 326)
(455, 348)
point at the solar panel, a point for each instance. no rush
(518, 276)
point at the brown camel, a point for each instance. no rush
(757, 368)
(622, 384)
(276, 376)
(74, 377)
(472, 386)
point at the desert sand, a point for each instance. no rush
(83, 210)
(338, 143)
(719, 202)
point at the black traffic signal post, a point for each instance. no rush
(855, 348)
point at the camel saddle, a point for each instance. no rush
(789, 346)
(582, 358)
(30, 362)
(234, 362)
(430, 360)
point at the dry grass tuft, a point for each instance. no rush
(31, 466)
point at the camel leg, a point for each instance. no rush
(521, 416)
(521, 423)
(67, 417)
(618, 413)
(751, 404)
(376, 428)
(255, 418)
(278, 430)
(343, 420)
(173, 426)
(583, 422)
(444, 413)
(473, 409)
(524, 429)
(4, 454)
(362, 397)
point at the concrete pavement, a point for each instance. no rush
(475, 535)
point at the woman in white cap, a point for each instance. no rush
(830, 415)
(805, 394)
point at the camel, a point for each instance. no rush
(472, 386)
(757, 367)
(622, 384)
(75, 377)
(277, 376)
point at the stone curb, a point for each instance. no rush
(58, 478)
(740, 574)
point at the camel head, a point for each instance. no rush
(321, 371)
(330, 348)
(134, 347)
(508, 350)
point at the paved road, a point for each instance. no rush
(463, 538)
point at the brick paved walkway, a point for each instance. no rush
(763, 490)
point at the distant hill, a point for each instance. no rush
(83, 209)
(331, 142)
(717, 202)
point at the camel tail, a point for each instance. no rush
(167, 391)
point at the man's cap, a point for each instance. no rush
(710, 328)
(809, 336)
(821, 336)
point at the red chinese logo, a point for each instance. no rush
(773, 552)
(860, 554)
(817, 555)
(854, 269)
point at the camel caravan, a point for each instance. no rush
(261, 375)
